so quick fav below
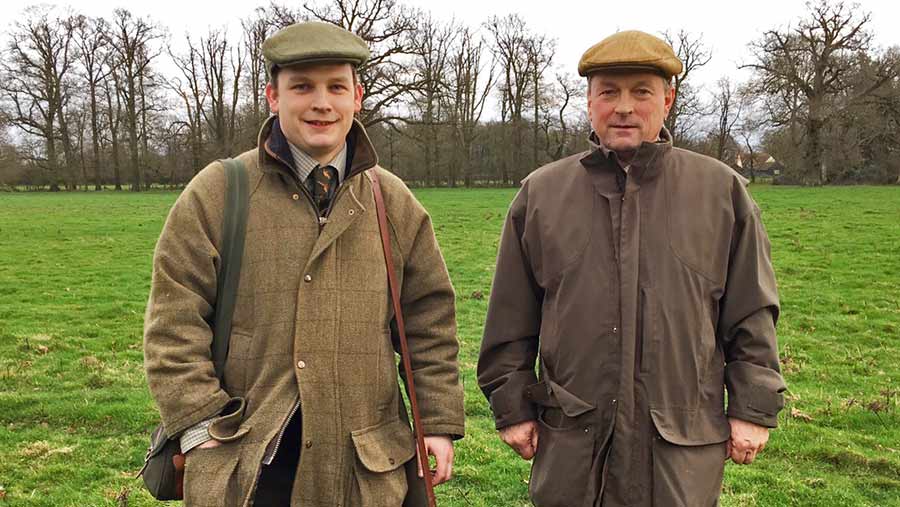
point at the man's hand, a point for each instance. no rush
(209, 444)
(522, 437)
(747, 440)
(441, 447)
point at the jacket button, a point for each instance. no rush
(308, 444)
(391, 461)
(295, 197)
(301, 364)
(351, 212)
(615, 330)
(307, 278)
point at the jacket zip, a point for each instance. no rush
(268, 458)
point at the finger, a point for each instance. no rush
(527, 451)
(450, 464)
(727, 450)
(534, 442)
(737, 456)
(442, 473)
(418, 464)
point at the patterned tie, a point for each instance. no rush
(324, 181)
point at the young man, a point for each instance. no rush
(309, 412)
(641, 275)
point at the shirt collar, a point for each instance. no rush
(597, 144)
(304, 163)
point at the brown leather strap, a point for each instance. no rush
(401, 329)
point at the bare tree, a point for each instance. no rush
(95, 62)
(389, 29)
(221, 113)
(256, 28)
(557, 133)
(193, 98)
(687, 108)
(431, 46)
(815, 59)
(727, 107)
(540, 52)
(133, 41)
(471, 89)
(34, 81)
(511, 44)
(113, 121)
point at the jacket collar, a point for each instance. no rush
(275, 152)
(645, 164)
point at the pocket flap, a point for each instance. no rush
(385, 446)
(227, 427)
(571, 405)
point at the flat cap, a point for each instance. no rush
(631, 50)
(314, 42)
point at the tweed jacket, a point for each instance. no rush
(312, 331)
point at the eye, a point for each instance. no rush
(301, 87)
(643, 92)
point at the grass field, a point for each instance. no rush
(75, 411)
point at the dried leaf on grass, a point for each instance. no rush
(797, 414)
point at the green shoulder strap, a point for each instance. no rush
(234, 228)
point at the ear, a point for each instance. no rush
(357, 97)
(669, 99)
(272, 98)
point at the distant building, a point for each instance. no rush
(763, 164)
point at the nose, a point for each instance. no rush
(625, 106)
(320, 100)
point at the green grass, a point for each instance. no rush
(75, 411)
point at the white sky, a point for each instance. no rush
(727, 27)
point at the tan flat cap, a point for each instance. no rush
(314, 42)
(628, 50)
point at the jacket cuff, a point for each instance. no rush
(195, 435)
(754, 393)
(210, 409)
(454, 431)
(508, 402)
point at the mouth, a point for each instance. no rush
(624, 126)
(320, 123)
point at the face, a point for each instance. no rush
(315, 106)
(627, 109)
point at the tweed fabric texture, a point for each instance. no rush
(312, 322)
(314, 42)
(631, 50)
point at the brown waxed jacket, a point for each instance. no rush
(312, 326)
(646, 292)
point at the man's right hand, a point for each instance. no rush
(522, 437)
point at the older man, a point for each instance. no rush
(310, 411)
(640, 274)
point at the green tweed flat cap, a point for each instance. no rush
(631, 50)
(314, 42)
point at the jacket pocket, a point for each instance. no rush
(227, 427)
(381, 452)
(210, 478)
(561, 471)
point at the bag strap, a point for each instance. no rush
(401, 329)
(234, 228)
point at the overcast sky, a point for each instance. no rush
(726, 27)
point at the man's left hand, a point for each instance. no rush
(747, 440)
(441, 447)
